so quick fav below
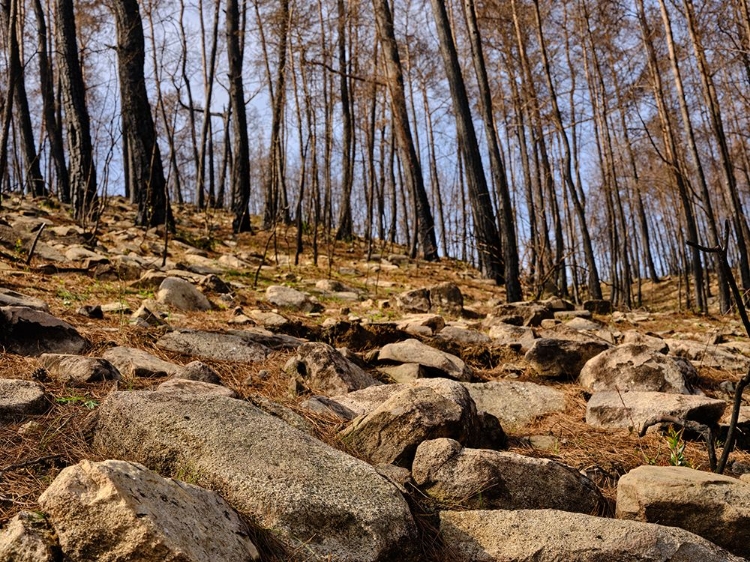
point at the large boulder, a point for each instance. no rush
(317, 501)
(636, 367)
(483, 479)
(286, 297)
(446, 297)
(181, 294)
(8, 297)
(436, 362)
(633, 409)
(428, 409)
(118, 510)
(719, 356)
(463, 336)
(327, 371)
(558, 358)
(414, 300)
(548, 535)
(513, 336)
(520, 314)
(27, 331)
(28, 538)
(20, 398)
(516, 404)
(132, 362)
(213, 345)
(77, 370)
(713, 506)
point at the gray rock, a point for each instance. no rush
(562, 358)
(150, 280)
(506, 334)
(149, 317)
(428, 409)
(447, 297)
(213, 345)
(634, 367)
(28, 538)
(326, 371)
(268, 319)
(269, 339)
(521, 313)
(404, 373)
(76, 369)
(482, 479)
(20, 398)
(118, 510)
(414, 300)
(549, 535)
(198, 371)
(32, 332)
(713, 506)
(9, 297)
(133, 362)
(282, 412)
(583, 324)
(326, 406)
(331, 286)
(463, 336)
(181, 294)
(195, 387)
(421, 324)
(365, 401)
(215, 284)
(709, 355)
(291, 298)
(634, 409)
(435, 361)
(317, 501)
(516, 404)
(655, 343)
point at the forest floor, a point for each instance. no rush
(31, 455)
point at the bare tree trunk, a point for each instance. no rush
(241, 167)
(345, 230)
(488, 240)
(47, 90)
(410, 161)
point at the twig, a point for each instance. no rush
(704, 430)
(33, 244)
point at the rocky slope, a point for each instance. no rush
(221, 403)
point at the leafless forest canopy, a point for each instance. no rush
(574, 145)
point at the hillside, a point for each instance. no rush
(111, 290)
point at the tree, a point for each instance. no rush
(400, 115)
(488, 239)
(241, 153)
(82, 169)
(145, 172)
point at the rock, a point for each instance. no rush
(215, 284)
(282, 412)
(118, 510)
(363, 402)
(331, 286)
(714, 506)
(197, 371)
(146, 315)
(655, 343)
(404, 373)
(254, 335)
(213, 345)
(709, 355)
(9, 297)
(326, 371)
(27, 331)
(634, 409)
(436, 362)
(415, 300)
(287, 297)
(318, 502)
(79, 253)
(482, 479)
(28, 538)
(328, 407)
(505, 334)
(635, 367)
(93, 311)
(150, 280)
(421, 324)
(552, 536)
(562, 358)
(20, 398)
(564, 315)
(598, 306)
(583, 324)
(516, 404)
(181, 294)
(447, 297)
(268, 319)
(425, 410)
(196, 387)
(75, 369)
(463, 336)
(521, 314)
(133, 362)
